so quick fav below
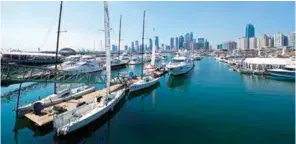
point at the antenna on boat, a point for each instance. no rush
(119, 39)
(142, 47)
(57, 46)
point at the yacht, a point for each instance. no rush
(196, 57)
(285, 72)
(135, 60)
(82, 67)
(180, 65)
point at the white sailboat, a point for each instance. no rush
(149, 79)
(72, 120)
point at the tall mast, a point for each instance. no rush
(107, 46)
(153, 50)
(58, 41)
(142, 48)
(119, 39)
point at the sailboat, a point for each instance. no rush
(84, 114)
(149, 79)
(65, 92)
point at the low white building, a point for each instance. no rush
(261, 64)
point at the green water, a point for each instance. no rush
(210, 105)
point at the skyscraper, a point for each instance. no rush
(187, 37)
(150, 44)
(262, 41)
(271, 42)
(206, 46)
(191, 37)
(114, 49)
(137, 45)
(156, 42)
(126, 48)
(172, 43)
(279, 40)
(133, 47)
(177, 43)
(253, 43)
(292, 40)
(181, 42)
(200, 43)
(242, 43)
(250, 31)
(286, 42)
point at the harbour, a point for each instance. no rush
(240, 103)
(185, 92)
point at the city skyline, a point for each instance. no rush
(27, 29)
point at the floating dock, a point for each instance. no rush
(48, 113)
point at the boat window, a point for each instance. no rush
(178, 60)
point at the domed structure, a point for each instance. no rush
(67, 51)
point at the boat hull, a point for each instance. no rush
(136, 87)
(290, 75)
(181, 69)
(94, 114)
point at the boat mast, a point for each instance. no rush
(107, 47)
(153, 50)
(142, 48)
(57, 46)
(119, 39)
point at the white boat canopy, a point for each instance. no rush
(268, 61)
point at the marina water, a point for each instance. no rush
(211, 104)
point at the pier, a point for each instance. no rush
(49, 112)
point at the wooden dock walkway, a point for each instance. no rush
(48, 113)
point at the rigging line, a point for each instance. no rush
(47, 34)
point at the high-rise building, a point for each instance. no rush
(126, 48)
(206, 45)
(146, 47)
(286, 42)
(172, 43)
(242, 43)
(279, 39)
(292, 40)
(191, 37)
(114, 49)
(195, 46)
(252, 42)
(201, 43)
(181, 42)
(250, 31)
(262, 41)
(187, 37)
(150, 44)
(177, 43)
(137, 45)
(133, 47)
(271, 42)
(156, 42)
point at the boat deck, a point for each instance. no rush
(48, 113)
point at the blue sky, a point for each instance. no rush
(29, 25)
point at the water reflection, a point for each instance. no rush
(257, 83)
(144, 92)
(179, 82)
